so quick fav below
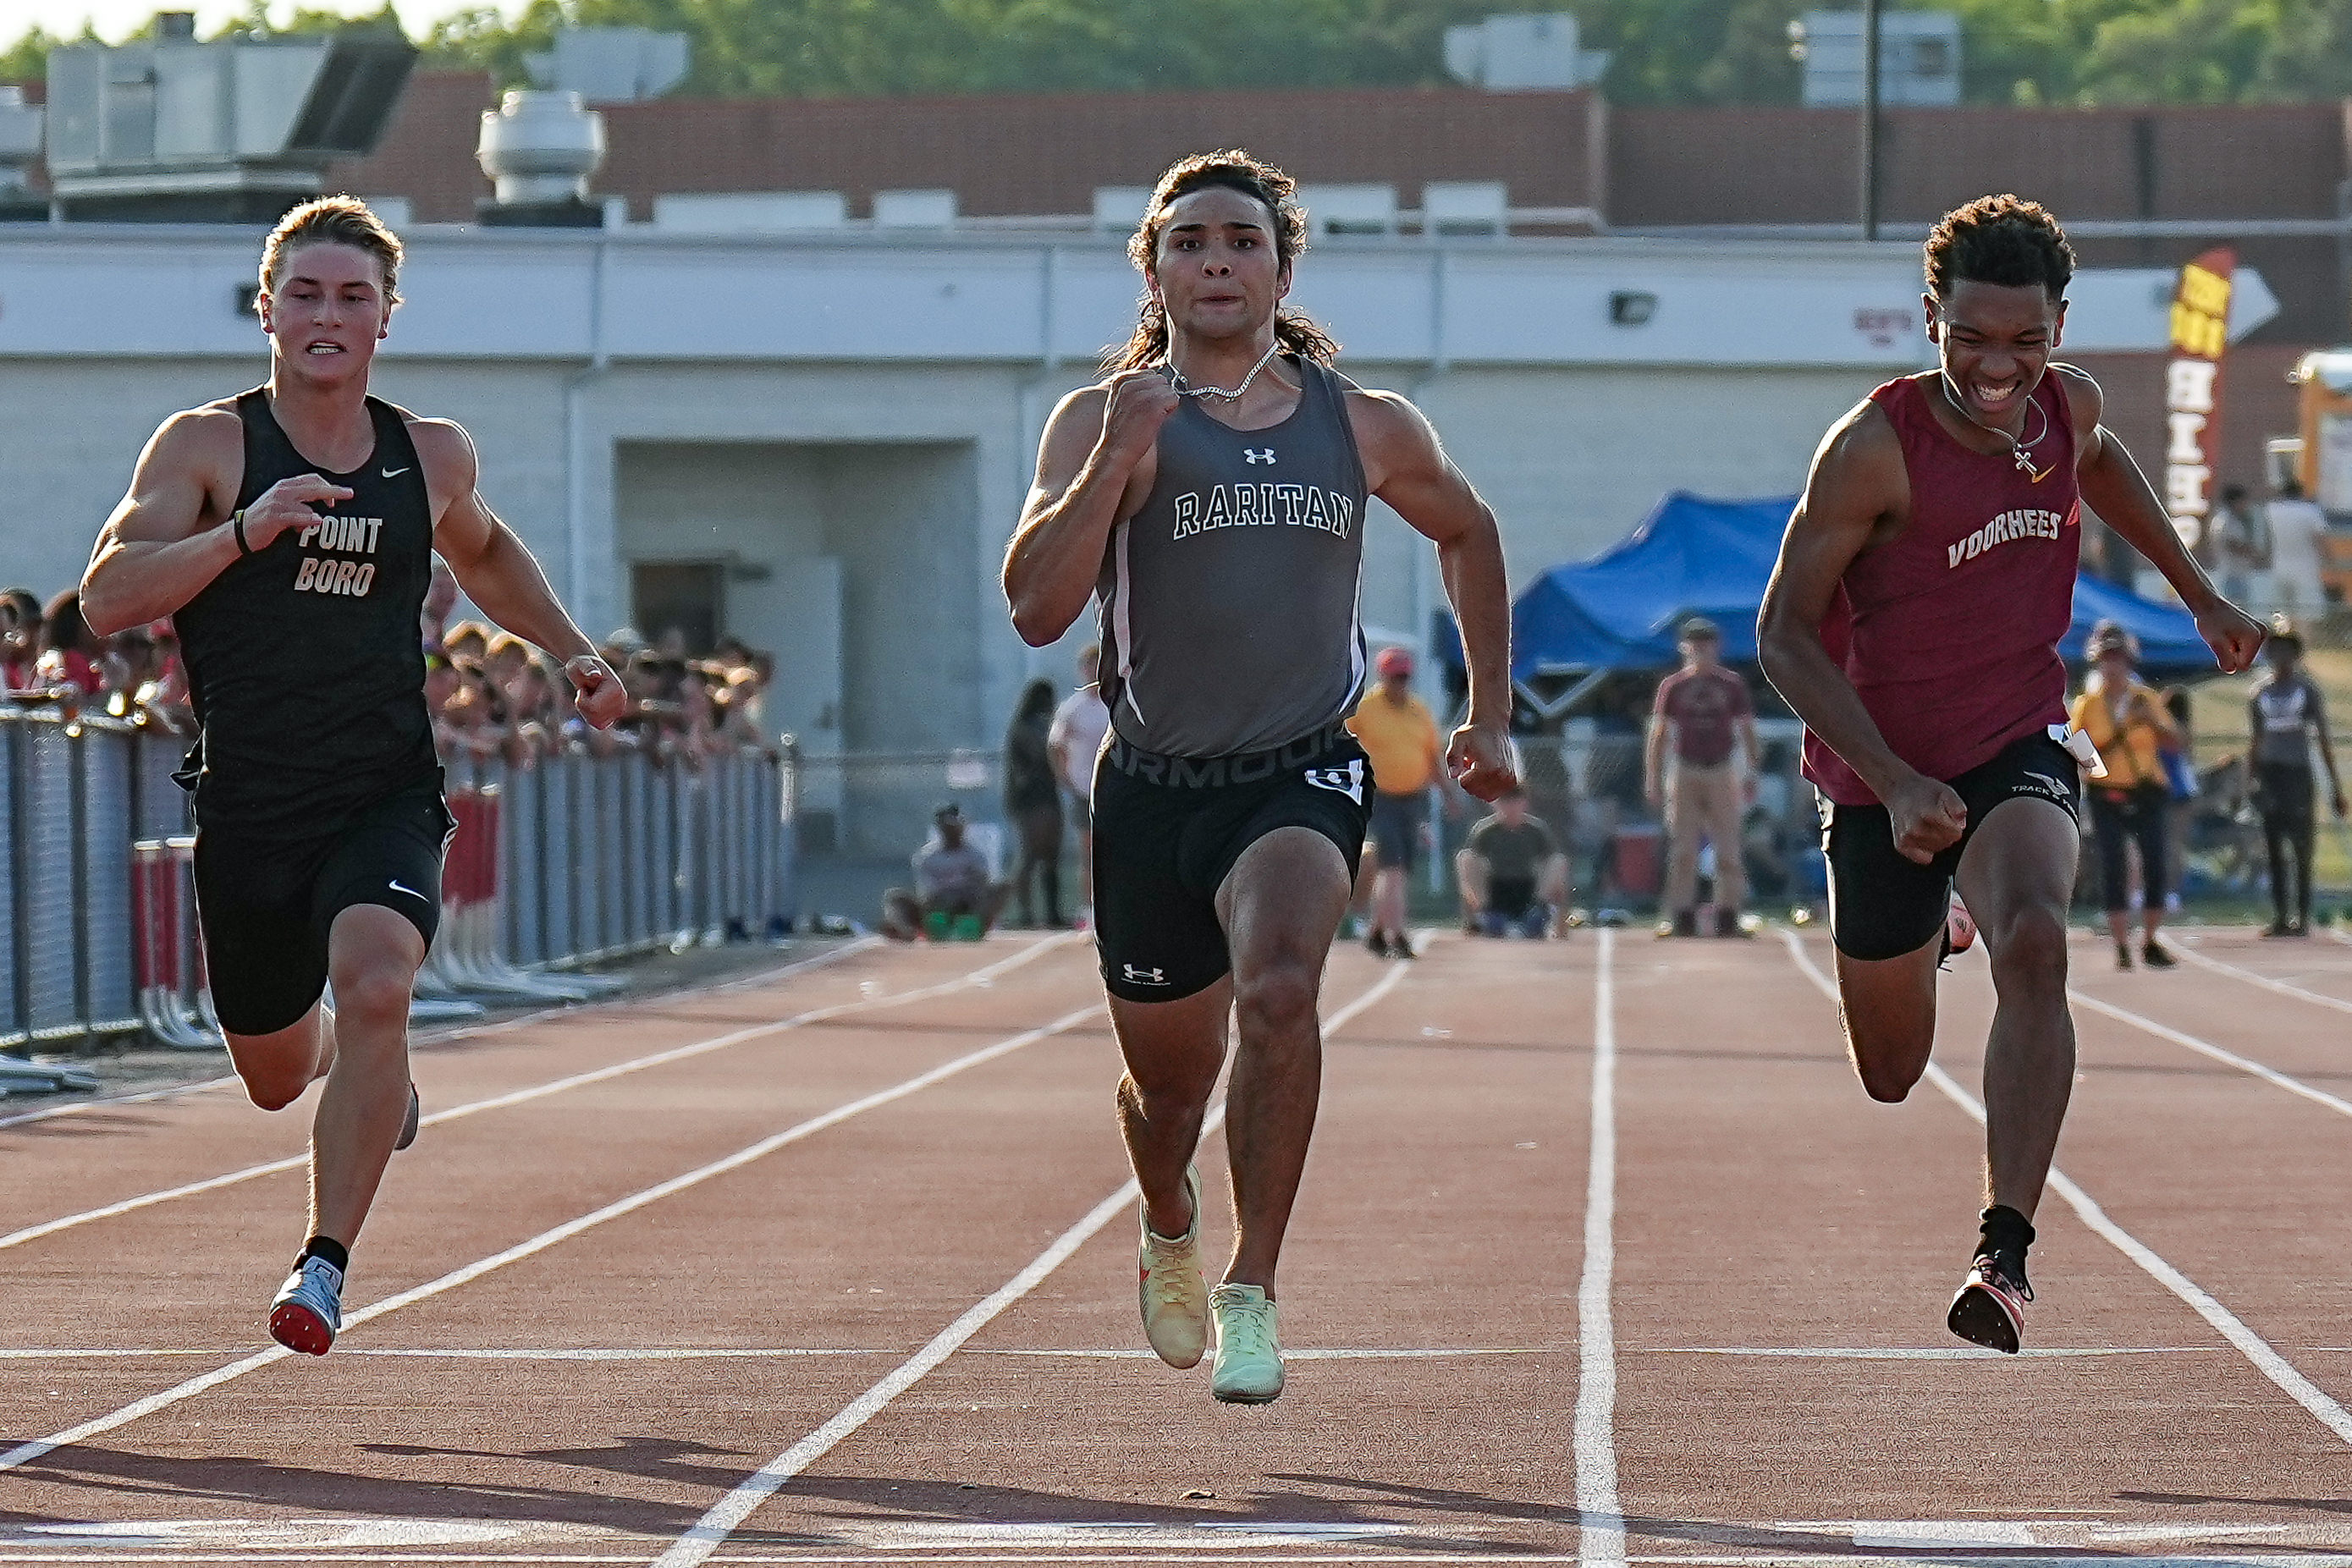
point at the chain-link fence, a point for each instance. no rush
(557, 863)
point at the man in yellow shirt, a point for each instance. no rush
(2128, 722)
(1398, 733)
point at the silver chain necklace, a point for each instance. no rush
(1185, 389)
(2017, 449)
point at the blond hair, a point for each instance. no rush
(333, 220)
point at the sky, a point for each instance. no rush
(117, 18)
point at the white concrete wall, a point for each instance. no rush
(878, 405)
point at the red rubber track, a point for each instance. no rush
(599, 1394)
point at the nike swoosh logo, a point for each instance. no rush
(393, 473)
(410, 891)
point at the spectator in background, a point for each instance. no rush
(20, 640)
(1398, 733)
(2128, 722)
(2241, 547)
(440, 597)
(952, 895)
(1702, 717)
(2288, 716)
(2296, 527)
(1077, 740)
(70, 656)
(1512, 874)
(2180, 789)
(1033, 801)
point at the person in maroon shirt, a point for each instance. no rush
(1912, 623)
(1702, 709)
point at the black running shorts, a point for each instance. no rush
(1169, 828)
(1883, 905)
(266, 899)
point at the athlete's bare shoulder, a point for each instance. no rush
(452, 468)
(2085, 401)
(194, 434)
(1392, 435)
(1862, 445)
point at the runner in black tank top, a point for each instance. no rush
(289, 533)
(1225, 541)
(304, 661)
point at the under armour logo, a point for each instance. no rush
(1348, 780)
(1261, 455)
(1135, 976)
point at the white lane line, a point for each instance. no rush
(789, 1353)
(1955, 1353)
(981, 978)
(2251, 1345)
(2207, 1047)
(1601, 1517)
(459, 1032)
(24, 1452)
(2283, 988)
(727, 1514)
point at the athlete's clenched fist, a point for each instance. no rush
(1138, 404)
(596, 690)
(1481, 758)
(288, 504)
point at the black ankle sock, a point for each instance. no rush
(2004, 1229)
(333, 1251)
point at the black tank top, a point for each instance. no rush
(305, 663)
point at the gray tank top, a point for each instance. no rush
(1230, 600)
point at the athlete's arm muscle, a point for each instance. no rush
(1405, 467)
(2114, 488)
(1095, 467)
(497, 571)
(1858, 494)
(169, 536)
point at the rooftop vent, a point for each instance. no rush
(610, 65)
(20, 149)
(1918, 57)
(236, 130)
(1523, 53)
(539, 150)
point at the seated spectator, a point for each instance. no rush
(953, 894)
(1512, 873)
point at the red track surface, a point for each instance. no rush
(876, 1242)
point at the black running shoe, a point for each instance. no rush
(1376, 942)
(2155, 956)
(408, 1128)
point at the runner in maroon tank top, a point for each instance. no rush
(1913, 624)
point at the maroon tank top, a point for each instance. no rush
(1949, 630)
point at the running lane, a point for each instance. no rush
(1429, 1308)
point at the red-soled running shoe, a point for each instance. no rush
(308, 1311)
(1989, 1310)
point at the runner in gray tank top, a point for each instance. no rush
(1229, 599)
(1212, 492)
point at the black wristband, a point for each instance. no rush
(236, 523)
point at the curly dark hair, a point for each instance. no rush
(1234, 170)
(2004, 240)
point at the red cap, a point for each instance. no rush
(1392, 662)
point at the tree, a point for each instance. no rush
(1666, 51)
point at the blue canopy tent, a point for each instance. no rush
(1618, 612)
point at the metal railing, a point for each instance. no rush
(567, 861)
